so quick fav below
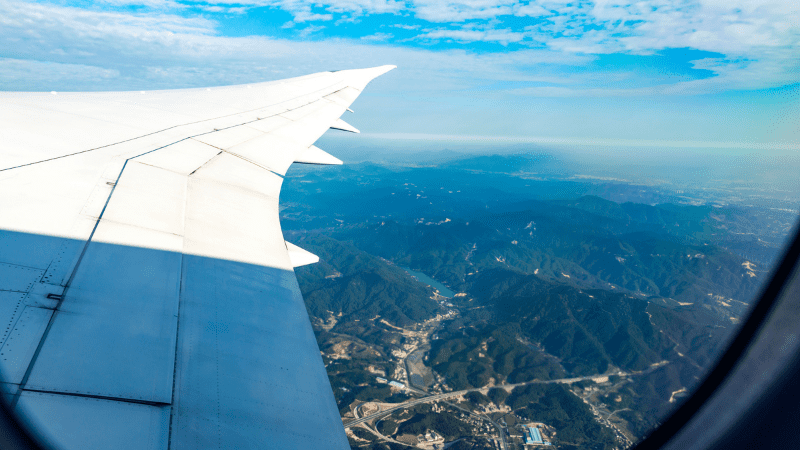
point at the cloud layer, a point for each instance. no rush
(458, 59)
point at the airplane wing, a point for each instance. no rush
(147, 297)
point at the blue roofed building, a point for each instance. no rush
(533, 436)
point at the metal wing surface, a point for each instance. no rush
(147, 296)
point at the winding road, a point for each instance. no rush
(446, 395)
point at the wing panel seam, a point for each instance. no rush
(178, 325)
(57, 308)
(97, 397)
(171, 128)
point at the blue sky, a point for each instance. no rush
(722, 72)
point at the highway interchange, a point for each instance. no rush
(428, 398)
(435, 397)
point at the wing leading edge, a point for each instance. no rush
(148, 295)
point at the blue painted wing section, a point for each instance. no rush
(249, 372)
(73, 422)
(115, 336)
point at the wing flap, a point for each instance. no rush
(114, 334)
(113, 425)
(126, 290)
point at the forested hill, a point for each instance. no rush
(359, 285)
(658, 256)
(592, 329)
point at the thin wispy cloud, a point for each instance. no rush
(459, 11)
(377, 37)
(501, 36)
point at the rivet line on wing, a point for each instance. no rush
(39, 346)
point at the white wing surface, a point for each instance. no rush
(147, 297)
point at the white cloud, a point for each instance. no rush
(760, 43)
(764, 33)
(649, 25)
(27, 75)
(364, 6)
(459, 11)
(309, 30)
(162, 5)
(28, 20)
(377, 37)
(502, 36)
(303, 11)
(530, 10)
(403, 26)
(166, 51)
(308, 16)
(733, 27)
(453, 92)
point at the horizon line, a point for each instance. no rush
(586, 141)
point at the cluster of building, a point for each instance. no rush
(392, 383)
(429, 436)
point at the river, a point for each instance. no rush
(443, 290)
